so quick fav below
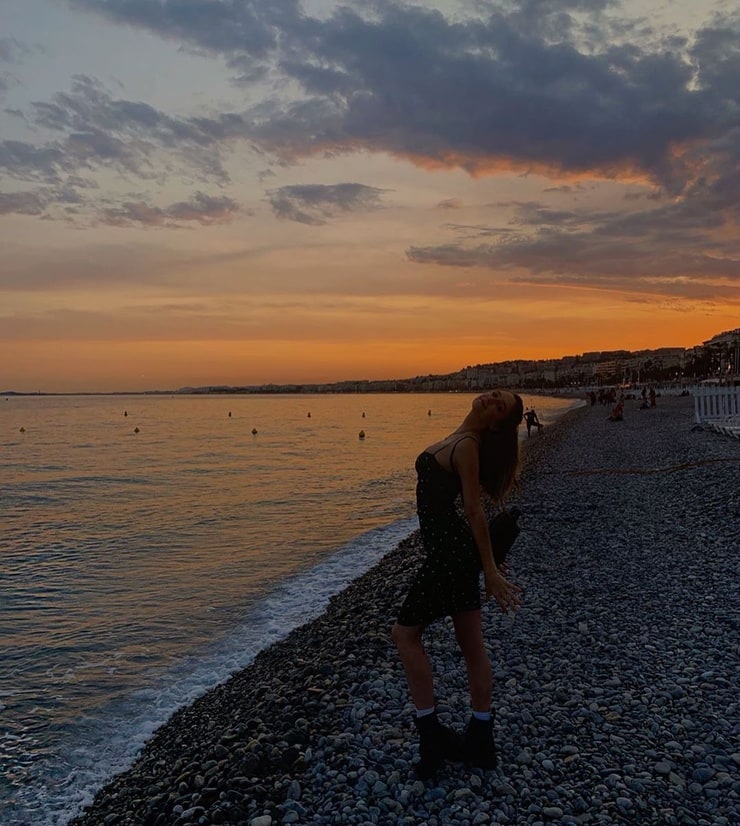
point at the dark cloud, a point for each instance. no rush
(202, 209)
(564, 188)
(450, 203)
(317, 203)
(22, 203)
(654, 250)
(245, 33)
(215, 26)
(499, 92)
(26, 162)
(563, 86)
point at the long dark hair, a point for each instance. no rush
(499, 454)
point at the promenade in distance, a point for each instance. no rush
(615, 696)
(670, 367)
(673, 368)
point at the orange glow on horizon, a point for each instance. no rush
(116, 366)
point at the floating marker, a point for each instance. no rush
(136, 430)
(362, 434)
(429, 412)
(23, 430)
(309, 415)
(229, 414)
(254, 431)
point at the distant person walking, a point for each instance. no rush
(481, 453)
(530, 417)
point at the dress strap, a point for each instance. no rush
(452, 452)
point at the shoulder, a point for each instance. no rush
(465, 450)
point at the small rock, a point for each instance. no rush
(702, 774)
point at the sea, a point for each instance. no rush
(151, 545)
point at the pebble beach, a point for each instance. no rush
(616, 684)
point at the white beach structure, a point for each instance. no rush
(718, 406)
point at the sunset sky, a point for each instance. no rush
(201, 192)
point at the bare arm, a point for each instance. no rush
(466, 466)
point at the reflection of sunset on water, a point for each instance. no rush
(140, 568)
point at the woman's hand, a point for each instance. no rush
(506, 594)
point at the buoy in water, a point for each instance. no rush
(229, 414)
(362, 434)
(429, 412)
(308, 416)
(254, 431)
(125, 412)
(363, 414)
(136, 430)
(23, 430)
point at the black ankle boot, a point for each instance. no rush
(478, 746)
(437, 743)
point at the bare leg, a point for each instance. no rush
(415, 663)
(469, 633)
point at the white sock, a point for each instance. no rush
(482, 715)
(424, 712)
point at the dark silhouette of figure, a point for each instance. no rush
(617, 414)
(530, 417)
(480, 455)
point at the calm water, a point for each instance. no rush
(140, 569)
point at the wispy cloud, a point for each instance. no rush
(12, 52)
(97, 133)
(317, 203)
(128, 135)
(22, 203)
(201, 209)
(681, 247)
(450, 203)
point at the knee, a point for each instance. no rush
(473, 649)
(405, 636)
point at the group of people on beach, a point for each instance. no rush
(480, 456)
(617, 414)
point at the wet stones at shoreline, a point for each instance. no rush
(616, 688)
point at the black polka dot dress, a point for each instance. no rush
(448, 581)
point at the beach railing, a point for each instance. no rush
(713, 402)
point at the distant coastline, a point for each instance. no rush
(718, 357)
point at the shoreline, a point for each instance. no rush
(318, 728)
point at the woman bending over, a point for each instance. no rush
(482, 453)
